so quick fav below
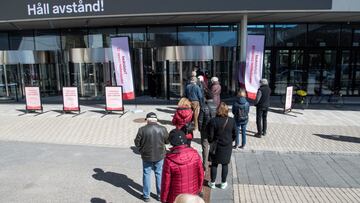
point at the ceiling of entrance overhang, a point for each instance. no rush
(184, 19)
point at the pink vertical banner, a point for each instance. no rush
(254, 64)
(122, 66)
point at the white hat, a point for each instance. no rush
(201, 78)
(214, 79)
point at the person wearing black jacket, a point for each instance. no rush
(150, 141)
(262, 104)
(222, 133)
(207, 112)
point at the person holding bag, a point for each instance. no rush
(222, 133)
(183, 117)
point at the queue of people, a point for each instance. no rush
(180, 170)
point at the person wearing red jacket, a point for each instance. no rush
(182, 169)
(183, 115)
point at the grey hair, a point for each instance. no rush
(264, 81)
(193, 79)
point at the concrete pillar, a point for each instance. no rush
(242, 39)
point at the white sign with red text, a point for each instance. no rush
(114, 100)
(33, 100)
(289, 95)
(254, 64)
(122, 66)
(71, 99)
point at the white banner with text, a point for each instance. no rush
(254, 64)
(122, 66)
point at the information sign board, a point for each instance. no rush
(71, 99)
(33, 99)
(114, 98)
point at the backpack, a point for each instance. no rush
(242, 115)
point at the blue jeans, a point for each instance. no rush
(148, 166)
(242, 128)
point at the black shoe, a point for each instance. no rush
(242, 147)
(264, 133)
(158, 198)
(258, 135)
(235, 146)
(146, 199)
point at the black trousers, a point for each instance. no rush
(261, 119)
(224, 172)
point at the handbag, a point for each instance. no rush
(213, 145)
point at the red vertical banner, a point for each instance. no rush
(123, 66)
(33, 99)
(254, 64)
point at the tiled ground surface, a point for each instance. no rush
(334, 134)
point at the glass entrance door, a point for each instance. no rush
(321, 71)
(355, 73)
(290, 70)
(173, 76)
(8, 81)
(89, 78)
(48, 79)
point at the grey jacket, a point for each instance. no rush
(151, 140)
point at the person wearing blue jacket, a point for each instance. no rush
(194, 94)
(240, 109)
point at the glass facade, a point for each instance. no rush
(317, 57)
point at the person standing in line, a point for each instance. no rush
(150, 141)
(216, 90)
(152, 83)
(262, 103)
(240, 109)
(182, 116)
(194, 94)
(207, 112)
(222, 133)
(182, 171)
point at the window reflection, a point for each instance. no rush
(323, 35)
(290, 35)
(22, 40)
(136, 35)
(223, 35)
(100, 38)
(47, 40)
(161, 36)
(266, 30)
(4, 41)
(74, 38)
(193, 35)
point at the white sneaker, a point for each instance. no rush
(212, 185)
(223, 185)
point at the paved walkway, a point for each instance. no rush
(304, 130)
(315, 142)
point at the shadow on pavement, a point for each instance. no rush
(97, 200)
(340, 138)
(166, 110)
(119, 180)
(280, 111)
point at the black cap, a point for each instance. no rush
(177, 137)
(151, 115)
